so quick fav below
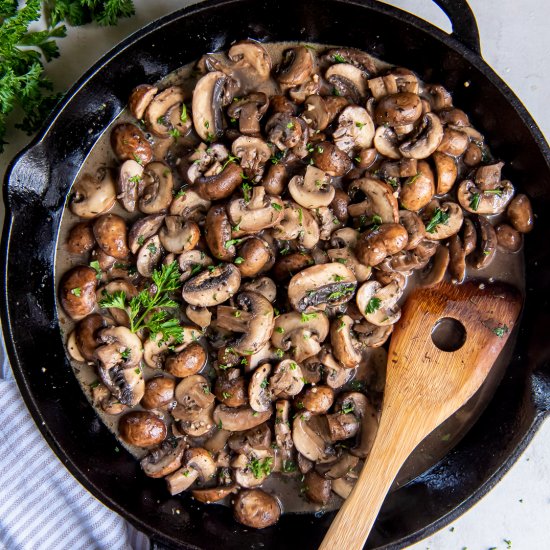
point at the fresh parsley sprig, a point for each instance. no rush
(24, 87)
(148, 309)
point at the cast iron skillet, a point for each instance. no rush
(40, 177)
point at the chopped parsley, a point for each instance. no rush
(439, 217)
(231, 242)
(347, 408)
(338, 58)
(306, 317)
(373, 305)
(135, 179)
(246, 192)
(260, 468)
(95, 266)
(152, 248)
(280, 330)
(474, 201)
(276, 206)
(183, 116)
(125, 354)
(175, 133)
(238, 260)
(76, 291)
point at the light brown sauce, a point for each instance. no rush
(505, 267)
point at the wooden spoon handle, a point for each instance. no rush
(357, 515)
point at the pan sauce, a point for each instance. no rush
(506, 267)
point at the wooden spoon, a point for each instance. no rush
(425, 385)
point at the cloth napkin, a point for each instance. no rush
(41, 505)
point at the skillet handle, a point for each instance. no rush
(463, 21)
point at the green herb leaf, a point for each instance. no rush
(183, 116)
(347, 407)
(338, 58)
(238, 260)
(260, 468)
(501, 330)
(276, 206)
(76, 291)
(95, 266)
(373, 305)
(439, 217)
(306, 317)
(474, 201)
(231, 242)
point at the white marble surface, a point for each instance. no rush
(515, 41)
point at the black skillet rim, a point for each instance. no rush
(412, 20)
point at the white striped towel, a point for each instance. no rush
(41, 505)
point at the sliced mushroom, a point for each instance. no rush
(486, 247)
(335, 375)
(219, 185)
(297, 66)
(189, 205)
(214, 494)
(342, 467)
(285, 131)
(102, 397)
(253, 153)
(251, 54)
(129, 180)
(260, 211)
(345, 346)
(346, 239)
(348, 80)
(415, 227)
(491, 201)
(238, 419)
(460, 245)
(386, 142)
(255, 320)
(312, 190)
(399, 109)
(149, 256)
(211, 288)
(355, 129)
(283, 436)
(165, 113)
(308, 441)
(179, 235)
(342, 426)
(362, 409)
(248, 111)
(258, 395)
(193, 396)
(191, 262)
(320, 286)
(207, 105)
(287, 380)
(142, 230)
(264, 286)
(374, 245)
(443, 220)
(165, 459)
(378, 304)
(425, 140)
(140, 98)
(93, 195)
(297, 223)
(302, 334)
(379, 200)
(158, 185)
(435, 271)
(181, 480)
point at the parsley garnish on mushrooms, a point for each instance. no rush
(260, 468)
(76, 291)
(152, 248)
(147, 309)
(95, 266)
(183, 116)
(276, 206)
(125, 353)
(347, 408)
(175, 133)
(246, 192)
(373, 305)
(238, 260)
(474, 201)
(231, 242)
(306, 317)
(439, 217)
(338, 58)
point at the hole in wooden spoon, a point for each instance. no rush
(448, 334)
